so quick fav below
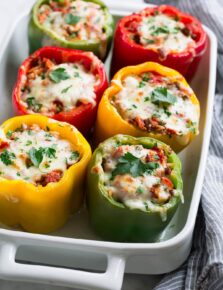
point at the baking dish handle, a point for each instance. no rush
(111, 279)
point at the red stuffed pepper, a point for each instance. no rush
(63, 84)
(161, 34)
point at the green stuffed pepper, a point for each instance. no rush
(134, 187)
(78, 24)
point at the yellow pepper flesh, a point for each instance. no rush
(41, 209)
(109, 121)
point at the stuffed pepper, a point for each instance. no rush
(63, 84)
(78, 24)
(162, 34)
(149, 100)
(134, 187)
(42, 168)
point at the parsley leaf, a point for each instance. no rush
(50, 152)
(9, 134)
(58, 75)
(74, 155)
(149, 41)
(133, 165)
(36, 156)
(161, 29)
(66, 90)
(161, 95)
(141, 84)
(6, 157)
(146, 99)
(76, 75)
(59, 1)
(72, 19)
(139, 190)
(33, 105)
(28, 143)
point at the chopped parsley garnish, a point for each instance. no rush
(36, 155)
(43, 76)
(162, 95)
(146, 99)
(28, 143)
(9, 134)
(33, 105)
(72, 19)
(7, 157)
(156, 157)
(134, 106)
(150, 41)
(74, 155)
(50, 152)
(139, 190)
(73, 35)
(76, 74)
(133, 165)
(66, 90)
(168, 113)
(192, 126)
(145, 79)
(156, 115)
(141, 84)
(48, 136)
(59, 1)
(161, 29)
(58, 75)
(175, 30)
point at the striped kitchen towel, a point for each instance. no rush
(204, 268)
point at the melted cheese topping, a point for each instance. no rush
(135, 102)
(74, 20)
(146, 191)
(32, 153)
(75, 85)
(165, 33)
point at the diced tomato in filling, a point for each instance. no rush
(3, 145)
(167, 182)
(161, 154)
(53, 176)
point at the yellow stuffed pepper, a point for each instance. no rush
(42, 168)
(149, 100)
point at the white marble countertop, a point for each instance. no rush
(131, 281)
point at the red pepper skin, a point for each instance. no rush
(84, 115)
(128, 52)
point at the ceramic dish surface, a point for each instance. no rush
(74, 256)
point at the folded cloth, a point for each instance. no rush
(204, 267)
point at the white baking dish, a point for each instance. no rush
(74, 256)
